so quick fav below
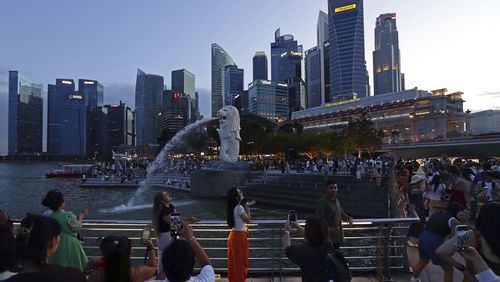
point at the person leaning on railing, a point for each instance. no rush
(114, 266)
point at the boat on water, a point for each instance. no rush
(69, 171)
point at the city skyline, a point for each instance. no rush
(434, 52)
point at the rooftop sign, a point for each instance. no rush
(342, 102)
(345, 8)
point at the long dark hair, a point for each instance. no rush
(233, 199)
(155, 211)
(33, 237)
(488, 225)
(116, 251)
(316, 231)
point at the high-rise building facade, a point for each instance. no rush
(120, 129)
(290, 73)
(322, 37)
(183, 81)
(148, 103)
(25, 115)
(347, 49)
(96, 117)
(66, 119)
(260, 66)
(386, 58)
(220, 59)
(282, 44)
(313, 77)
(93, 90)
(268, 99)
(233, 84)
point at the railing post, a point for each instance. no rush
(386, 274)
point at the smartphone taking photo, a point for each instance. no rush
(462, 235)
(175, 224)
(292, 217)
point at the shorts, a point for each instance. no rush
(427, 246)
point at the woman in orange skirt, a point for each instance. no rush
(237, 243)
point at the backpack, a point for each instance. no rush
(336, 267)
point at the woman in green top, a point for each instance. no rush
(70, 251)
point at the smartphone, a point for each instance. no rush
(462, 234)
(146, 233)
(175, 223)
(292, 217)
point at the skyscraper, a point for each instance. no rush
(25, 115)
(148, 104)
(260, 66)
(220, 59)
(347, 48)
(66, 119)
(93, 90)
(386, 59)
(322, 37)
(183, 81)
(313, 77)
(96, 117)
(282, 44)
(233, 84)
(268, 99)
(290, 72)
(120, 125)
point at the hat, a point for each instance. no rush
(416, 178)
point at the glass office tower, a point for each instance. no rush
(148, 104)
(282, 44)
(67, 119)
(386, 58)
(313, 77)
(93, 90)
(268, 99)
(260, 66)
(220, 59)
(233, 84)
(347, 49)
(25, 115)
(183, 81)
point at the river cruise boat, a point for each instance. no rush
(69, 171)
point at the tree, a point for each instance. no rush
(359, 135)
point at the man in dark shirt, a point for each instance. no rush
(329, 208)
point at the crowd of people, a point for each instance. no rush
(445, 195)
(448, 196)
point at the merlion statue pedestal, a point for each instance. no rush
(220, 176)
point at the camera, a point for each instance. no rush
(292, 216)
(462, 235)
(175, 225)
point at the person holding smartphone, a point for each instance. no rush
(161, 214)
(237, 244)
(483, 239)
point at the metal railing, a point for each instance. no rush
(371, 245)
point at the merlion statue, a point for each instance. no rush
(229, 134)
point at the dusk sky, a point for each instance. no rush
(444, 43)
